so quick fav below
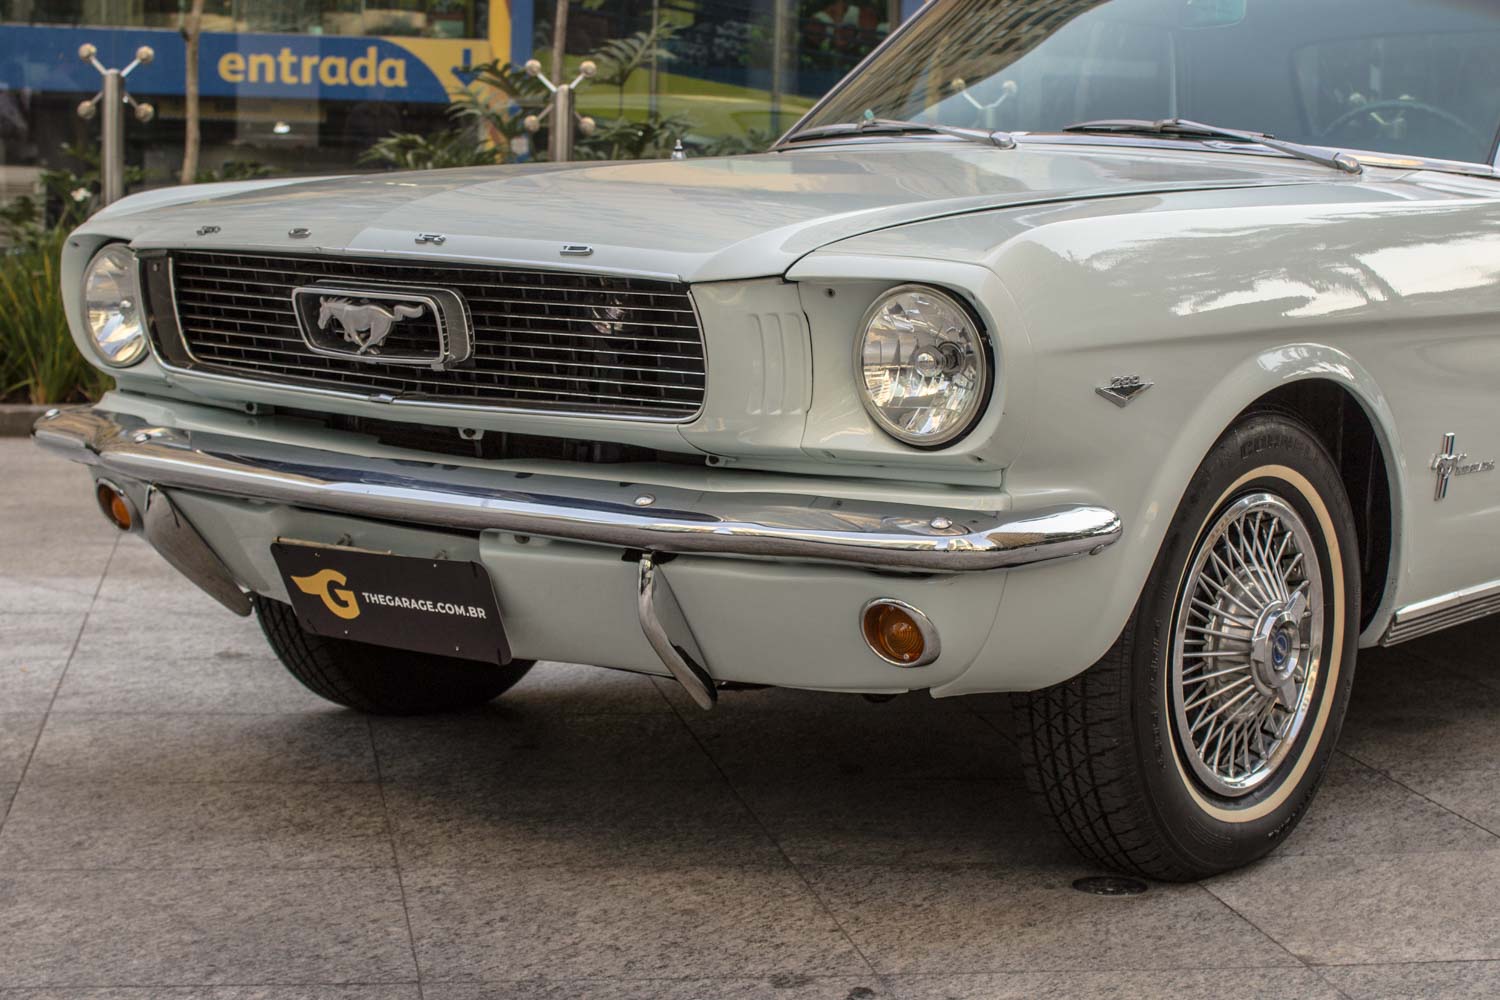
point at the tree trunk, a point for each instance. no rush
(559, 41)
(192, 29)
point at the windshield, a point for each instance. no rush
(1418, 77)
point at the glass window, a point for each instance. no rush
(1405, 76)
(1434, 93)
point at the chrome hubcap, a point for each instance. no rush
(1246, 645)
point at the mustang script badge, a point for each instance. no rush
(365, 325)
(357, 322)
(1451, 462)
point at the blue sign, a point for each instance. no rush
(320, 67)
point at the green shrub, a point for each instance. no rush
(434, 151)
(38, 360)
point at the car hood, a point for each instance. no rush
(699, 219)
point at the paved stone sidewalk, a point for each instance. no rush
(184, 821)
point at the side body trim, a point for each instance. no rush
(1446, 611)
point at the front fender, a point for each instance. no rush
(1057, 620)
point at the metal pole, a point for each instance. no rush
(559, 38)
(112, 139)
(112, 122)
(564, 118)
(560, 149)
(778, 60)
(654, 83)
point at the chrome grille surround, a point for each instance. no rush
(550, 341)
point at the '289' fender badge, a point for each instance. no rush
(1122, 389)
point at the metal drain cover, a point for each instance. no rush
(1110, 885)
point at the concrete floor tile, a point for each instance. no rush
(1418, 981)
(182, 826)
(994, 709)
(1473, 793)
(31, 464)
(1360, 910)
(625, 921)
(208, 928)
(498, 744)
(22, 593)
(34, 650)
(1404, 710)
(783, 987)
(202, 663)
(881, 746)
(479, 824)
(138, 575)
(64, 545)
(1361, 811)
(790, 701)
(316, 747)
(1472, 650)
(7, 793)
(364, 991)
(864, 821)
(18, 734)
(1176, 984)
(574, 687)
(57, 543)
(998, 918)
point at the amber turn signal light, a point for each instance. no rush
(898, 633)
(115, 505)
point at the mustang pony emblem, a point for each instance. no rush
(367, 319)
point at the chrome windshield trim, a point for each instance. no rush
(887, 536)
(1367, 157)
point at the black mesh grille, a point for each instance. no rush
(542, 339)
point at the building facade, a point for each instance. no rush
(309, 86)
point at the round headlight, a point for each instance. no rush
(922, 366)
(112, 307)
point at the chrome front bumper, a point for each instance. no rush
(626, 515)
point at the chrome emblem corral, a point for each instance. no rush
(358, 323)
(1122, 389)
(435, 239)
(576, 250)
(1451, 462)
(364, 324)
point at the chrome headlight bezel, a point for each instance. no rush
(114, 320)
(977, 350)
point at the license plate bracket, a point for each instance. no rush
(441, 606)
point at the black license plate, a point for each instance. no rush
(426, 605)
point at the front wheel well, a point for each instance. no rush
(1340, 422)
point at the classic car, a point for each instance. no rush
(1133, 357)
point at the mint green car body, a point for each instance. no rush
(1219, 277)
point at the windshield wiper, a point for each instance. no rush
(1198, 130)
(891, 126)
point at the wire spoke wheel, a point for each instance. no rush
(1246, 644)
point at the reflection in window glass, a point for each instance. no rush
(1406, 76)
(1434, 93)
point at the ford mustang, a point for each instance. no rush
(1134, 357)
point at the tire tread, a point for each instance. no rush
(376, 680)
(1079, 739)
